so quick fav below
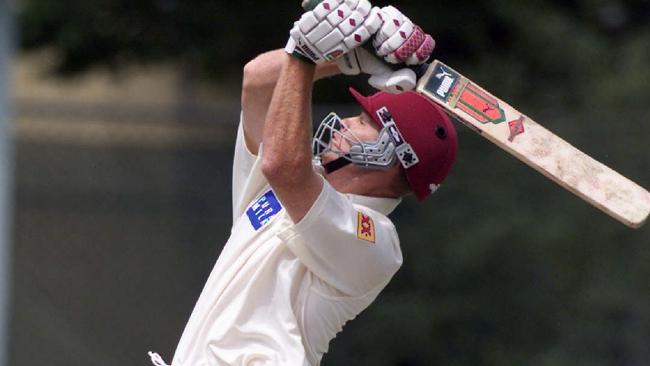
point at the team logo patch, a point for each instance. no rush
(365, 228)
(263, 210)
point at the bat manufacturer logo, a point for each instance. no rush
(443, 73)
(365, 228)
(480, 105)
(447, 81)
(441, 85)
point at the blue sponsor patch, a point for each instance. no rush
(263, 210)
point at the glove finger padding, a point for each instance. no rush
(400, 41)
(394, 22)
(333, 28)
(394, 82)
(349, 64)
(382, 76)
(361, 61)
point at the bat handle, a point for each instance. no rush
(420, 70)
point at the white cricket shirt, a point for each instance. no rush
(280, 291)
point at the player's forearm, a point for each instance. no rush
(286, 160)
(260, 78)
(287, 128)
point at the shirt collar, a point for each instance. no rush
(380, 204)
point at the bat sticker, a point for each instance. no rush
(442, 82)
(516, 127)
(480, 105)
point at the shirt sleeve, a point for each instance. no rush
(352, 248)
(242, 165)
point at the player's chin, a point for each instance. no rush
(329, 157)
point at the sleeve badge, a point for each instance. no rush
(365, 228)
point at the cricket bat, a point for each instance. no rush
(534, 145)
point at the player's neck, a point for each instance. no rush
(364, 182)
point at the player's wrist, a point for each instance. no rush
(302, 58)
(294, 51)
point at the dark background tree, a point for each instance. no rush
(523, 48)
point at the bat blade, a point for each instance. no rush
(536, 146)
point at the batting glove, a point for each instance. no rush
(400, 41)
(332, 29)
(382, 76)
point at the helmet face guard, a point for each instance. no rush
(377, 154)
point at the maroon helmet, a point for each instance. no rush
(425, 127)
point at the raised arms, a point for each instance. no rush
(260, 77)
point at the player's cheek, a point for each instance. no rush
(369, 133)
(339, 143)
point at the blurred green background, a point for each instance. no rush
(125, 118)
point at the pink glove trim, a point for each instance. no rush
(411, 45)
(425, 49)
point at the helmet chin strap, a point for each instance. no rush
(335, 165)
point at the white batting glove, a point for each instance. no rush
(400, 41)
(332, 29)
(382, 76)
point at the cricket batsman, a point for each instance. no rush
(311, 245)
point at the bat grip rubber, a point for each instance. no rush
(420, 70)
